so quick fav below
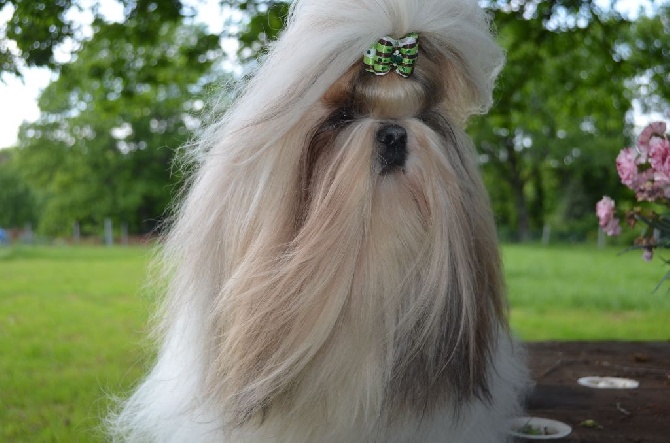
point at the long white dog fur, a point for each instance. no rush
(316, 292)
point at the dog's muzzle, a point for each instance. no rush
(392, 140)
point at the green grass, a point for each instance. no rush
(70, 326)
(583, 293)
(72, 322)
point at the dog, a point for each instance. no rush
(333, 272)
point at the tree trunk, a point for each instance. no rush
(521, 207)
(518, 184)
(538, 200)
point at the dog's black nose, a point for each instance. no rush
(392, 139)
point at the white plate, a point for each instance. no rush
(608, 382)
(554, 429)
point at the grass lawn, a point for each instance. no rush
(583, 293)
(72, 322)
(70, 326)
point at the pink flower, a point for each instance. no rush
(659, 143)
(612, 228)
(645, 187)
(659, 159)
(605, 210)
(605, 213)
(626, 165)
(652, 129)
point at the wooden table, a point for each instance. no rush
(614, 415)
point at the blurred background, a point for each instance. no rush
(111, 89)
(98, 98)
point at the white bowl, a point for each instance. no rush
(552, 429)
(608, 382)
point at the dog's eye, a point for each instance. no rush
(431, 119)
(339, 118)
(426, 118)
(345, 115)
(438, 123)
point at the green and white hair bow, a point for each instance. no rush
(389, 53)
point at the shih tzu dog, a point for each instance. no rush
(333, 273)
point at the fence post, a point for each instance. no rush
(124, 233)
(601, 238)
(76, 234)
(546, 234)
(28, 234)
(109, 238)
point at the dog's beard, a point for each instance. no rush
(385, 298)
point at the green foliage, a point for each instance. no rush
(560, 112)
(568, 89)
(37, 27)
(17, 202)
(262, 23)
(112, 122)
(647, 44)
(548, 146)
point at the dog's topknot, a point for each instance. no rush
(323, 39)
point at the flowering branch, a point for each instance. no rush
(645, 169)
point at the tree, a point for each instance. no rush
(561, 109)
(260, 23)
(37, 27)
(17, 202)
(647, 44)
(110, 125)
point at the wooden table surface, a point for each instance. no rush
(603, 415)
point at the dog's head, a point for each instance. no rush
(337, 244)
